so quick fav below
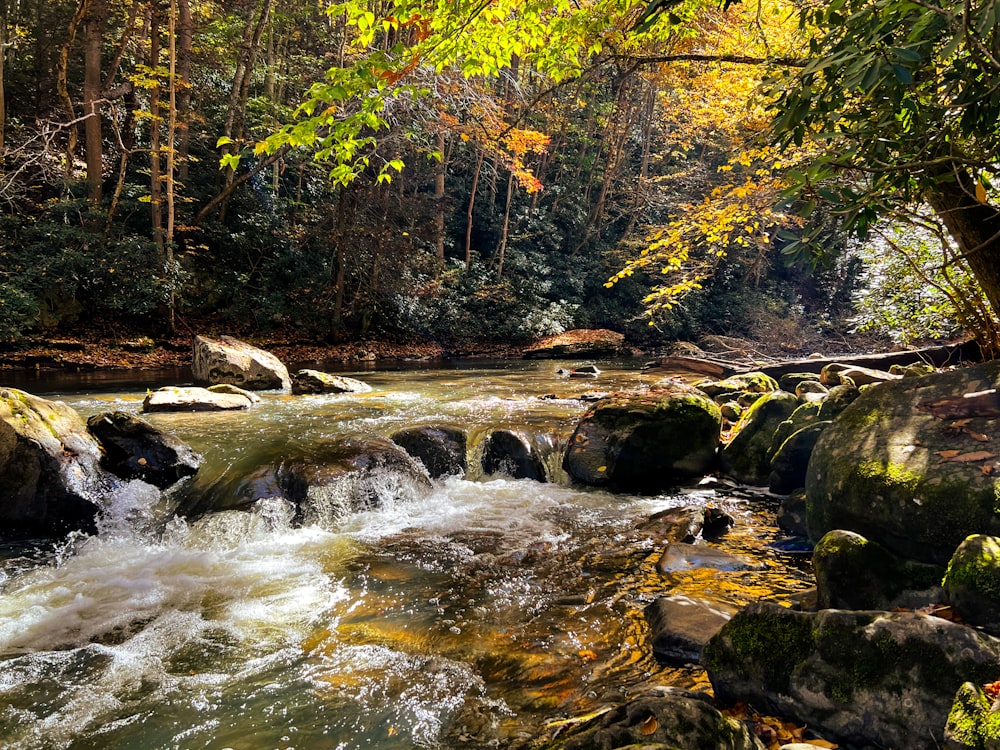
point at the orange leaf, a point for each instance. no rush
(967, 458)
(977, 436)
(947, 455)
(649, 726)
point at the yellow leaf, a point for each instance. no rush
(980, 192)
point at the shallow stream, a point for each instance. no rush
(470, 617)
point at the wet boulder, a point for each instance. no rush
(645, 442)
(972, 581)
(579, 343)
(747, 457)
(314, 381)
(135, 449)
(680, 627)
(507, 452)
(442, 450)
(664, 718)
(908, 464)
(866, 678)
(50, 472)
(229, 360)
(250, 396)
(192, 398)
(855, 573)
(681, 558)
(322, 483)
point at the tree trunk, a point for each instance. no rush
(93, 28)
(155, 165)
(3, 92)
(185, 37)
(168, 239)
(439, 175)
(974, 226)
(472, 206)
(502, 249)
(62, 84)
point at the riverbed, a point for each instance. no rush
(470, 617)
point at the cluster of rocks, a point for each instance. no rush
(897, 486)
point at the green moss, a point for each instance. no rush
(976, 565)
(890, 473)
(971, 723)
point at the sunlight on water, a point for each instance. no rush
(464, 614)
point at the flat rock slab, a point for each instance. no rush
(177, 398)
(679, 557)
(314, 381)
(680, 627)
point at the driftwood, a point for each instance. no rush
(718, 368)
(979, 404)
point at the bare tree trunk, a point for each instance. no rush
(3, 77)
(185, 37)
(62, 85)
(155, 165)
(94, 137)
(469, 211)
(168, 239)
(439, 175)
(501, 250)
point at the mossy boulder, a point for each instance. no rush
(742, 383)
(665, 719)
(866, 678)
(747, 457)
(645, 442)
(50, 472)
(789, 464)
(836, 374)
(790, 380)
(837, 399)
(855, 573)
(890, 470)
(804, 415)
(973, 723)
(972, 581)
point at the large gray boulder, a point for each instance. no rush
(135, 449)
(747, 457)
(645, 442)
(910, 464)
(229, 360)
(50, 471)
(867, 678)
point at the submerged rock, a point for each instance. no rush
(50, 471)
(663, 719)
(895, 468)
(680, 627)
(680, 557)
(882, 678)
(314, 381)
(229, 360)
(645, 442)
(188, 398)
(135, 449)
(442, 450)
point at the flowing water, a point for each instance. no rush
(472, 616)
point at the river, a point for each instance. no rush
(470, 617)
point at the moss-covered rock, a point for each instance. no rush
(666, 718)
(747, 457)
(973, 724)
(837, 399)
(804, 415)
(734, 385)
(645, 442)
(882, 468)
(854, 573)
(882, 678)
(50, 471)
(789, 464)
(314, 381)
(972, 581)
(810, 390)
(790, 380)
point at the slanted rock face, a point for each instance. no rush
(135, 449)
(49, 468)
(178, 398)
(645, 442)
(882, 678)
(916, 483)
(228, 360)
(314, 381)
(442, 450)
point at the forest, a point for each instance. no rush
(472, 172)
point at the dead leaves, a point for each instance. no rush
(955, 456)
(774, 731)
(649, 726)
